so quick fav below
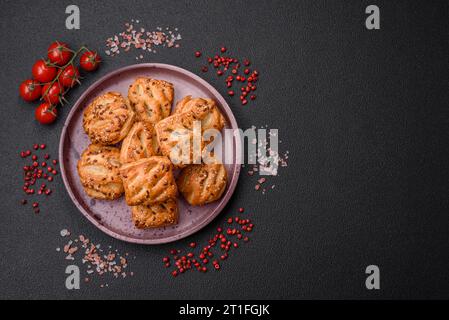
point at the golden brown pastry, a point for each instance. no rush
(155, 215)
(99, 172)
(152, 99)
(178, 130)
(141, 142)
(214, 118)
(148, 181)
(108, 119)
(202, 183)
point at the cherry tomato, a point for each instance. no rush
(52, 94)
(90, 60)
(46, 113)
(69, 77)
(43, 72)
(30, 90)
(59, 53)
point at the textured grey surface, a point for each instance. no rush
(363, 114)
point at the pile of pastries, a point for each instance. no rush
(131, 152)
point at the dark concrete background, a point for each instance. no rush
(363, 114)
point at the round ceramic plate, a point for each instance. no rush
(114, 217)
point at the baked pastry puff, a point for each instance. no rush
(213, 120)
(108, 119)
(148, 181)
(155, 215)
(178, 130)
(98, 169)
(151, 99)
(202, 183)
(141, 142)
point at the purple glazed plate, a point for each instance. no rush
(114, 217)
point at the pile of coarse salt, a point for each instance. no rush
(139, 38)
(97, 261)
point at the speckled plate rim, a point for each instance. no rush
(224, 200)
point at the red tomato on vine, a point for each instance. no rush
(30, 90)
(59, 53)
(43, 71)
(53, 93)
(46, 113)
(90, 60)
(70, 76)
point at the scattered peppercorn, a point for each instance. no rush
(33, 172)
(219, 241)
(224, 63)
